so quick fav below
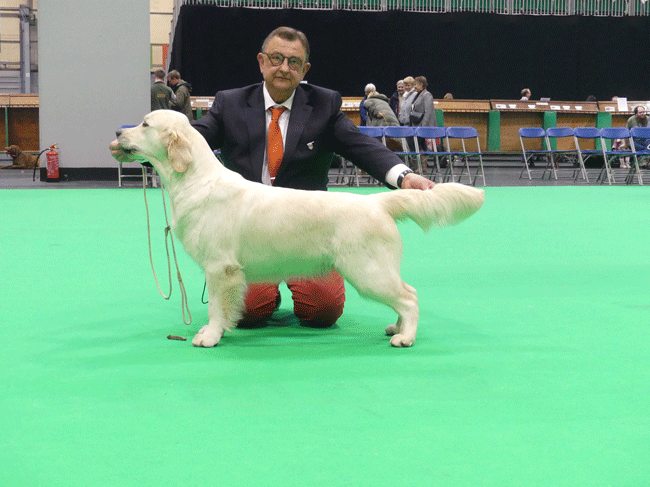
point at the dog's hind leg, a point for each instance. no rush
(403, 332)
(226, 288)
(380, 281)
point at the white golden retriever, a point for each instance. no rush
(243, 232)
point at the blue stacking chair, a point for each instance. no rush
(464, 134)
(568, 157)
(607, 134)
(537, 136)
(404, 134)
(640, 137)
(376, 132)
(433, 133)
(584, 134)
(353, 176)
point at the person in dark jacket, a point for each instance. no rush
(396, 99)
(182, 91)
(379, 111)
(161, 94)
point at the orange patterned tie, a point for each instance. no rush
(274, 148)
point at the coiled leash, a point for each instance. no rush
(168, 236)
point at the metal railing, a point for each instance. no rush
(604, 8)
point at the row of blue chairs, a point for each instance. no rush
(441, 156)
(574, 154)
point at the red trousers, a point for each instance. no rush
(318, 301)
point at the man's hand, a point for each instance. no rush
(415, 181)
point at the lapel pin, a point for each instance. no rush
(310, 145)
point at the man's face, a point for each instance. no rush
(640, 115)
(281, 81)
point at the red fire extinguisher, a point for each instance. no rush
(52, 164)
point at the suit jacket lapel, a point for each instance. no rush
(255, 119)
(300, 112)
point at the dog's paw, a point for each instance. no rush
(206, 337)
(392, 330)
(401, 341)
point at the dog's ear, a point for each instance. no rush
(178, 151)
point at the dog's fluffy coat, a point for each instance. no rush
(243, 232)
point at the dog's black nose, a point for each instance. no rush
(118, 132)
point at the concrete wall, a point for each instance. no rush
(94, 60)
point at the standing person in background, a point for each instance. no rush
(363, 113)
(423, 113)
(161, 94)
(182, 91)
(396, 99)
(407, 99)
(379, 111)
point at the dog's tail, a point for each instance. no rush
(445, 204)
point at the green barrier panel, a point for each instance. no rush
(440, 117)
(550, 120)
(603, 119)
(494, 131)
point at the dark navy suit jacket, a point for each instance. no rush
(317, 130)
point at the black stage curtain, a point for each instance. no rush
(473, 56)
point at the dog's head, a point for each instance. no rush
(162, 139)
(13, 150)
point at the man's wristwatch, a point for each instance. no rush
(400, 178)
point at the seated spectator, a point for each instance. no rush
(448, 96)
(639, 119)
(525, 94)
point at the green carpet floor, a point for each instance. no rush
(531, 366)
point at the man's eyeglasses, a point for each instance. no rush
(295, 63)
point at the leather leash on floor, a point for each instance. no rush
(168, 236)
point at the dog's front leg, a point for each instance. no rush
(226, 288)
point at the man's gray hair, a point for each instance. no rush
(289, 34)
